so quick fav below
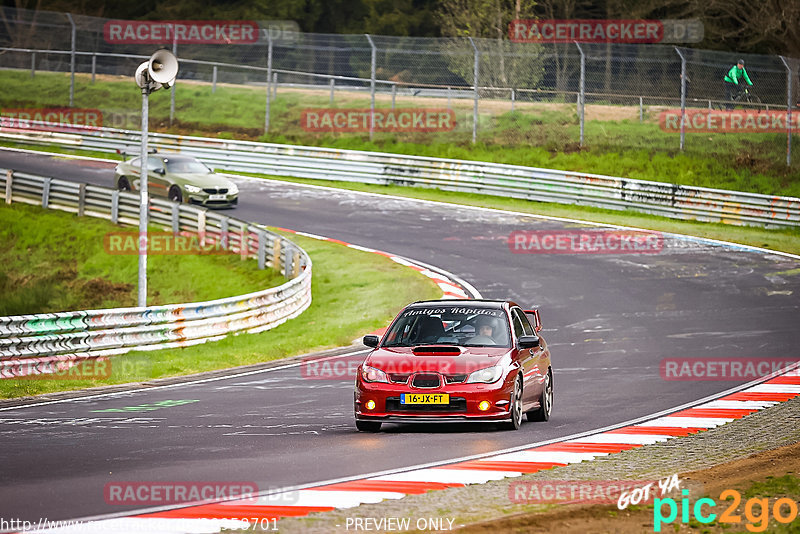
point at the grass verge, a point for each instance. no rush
(55, 261)
(539, 134)
(344, 279)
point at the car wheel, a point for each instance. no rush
(175, 194)
(368, 426)
(545, 401)
(123, 184)
(516, 407)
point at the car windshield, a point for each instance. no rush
(186, 166)
(466, 326)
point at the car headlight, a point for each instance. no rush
(370, 374)
(485, 376)
(233, 190)
(192, 188)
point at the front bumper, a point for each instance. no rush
(206, 202)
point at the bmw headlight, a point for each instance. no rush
(192, 188)
(371, 374)
(485, 376)
(233, 189)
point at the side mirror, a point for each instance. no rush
(371, 341)
(528, 342)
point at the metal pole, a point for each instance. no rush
(333, 85)
(214, 80)
(143, 205)
(72, 62)
(789, 83)
(172, 89)
(683, 97)
(582, 93)
(476, 77)
(641, 109)
(94, 66)
(513, 98)
(33, 64)
(394, 94)
(372, 86)
(448, 97)
(269, 81)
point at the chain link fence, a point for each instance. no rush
(492, 91)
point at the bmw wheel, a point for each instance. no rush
(175, 194)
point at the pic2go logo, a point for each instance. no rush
(756, 511)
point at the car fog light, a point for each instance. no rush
(484, 405)
(370, 405)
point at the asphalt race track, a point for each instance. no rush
(609, 319)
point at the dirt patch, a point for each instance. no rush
(738, 474)
(97, 291)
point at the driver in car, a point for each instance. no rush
(484, 328)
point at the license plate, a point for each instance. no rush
(424, 398)
(220, 196)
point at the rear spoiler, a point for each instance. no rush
(537, 321)
(125, 154)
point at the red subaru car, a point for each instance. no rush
(456, 361)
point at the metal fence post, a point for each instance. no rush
(214, 80)
(33, 64)
(81, 199)
(172, 89)
(513, 98)
(115, 206)
(333, 85)
(448, 97)
(683, 97)
(287, 262)
(176, 218)
(269, 81)
(789, 82)
(72, 61)
(262, 250)
(476, 77)
(641, 109)
(9, 185)
(394, 94)
(223, 231)
(94, 66)
(582, 93)
(373, 65)
(46, 192)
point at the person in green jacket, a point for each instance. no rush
(735, 76)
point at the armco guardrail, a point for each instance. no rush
(669, 200)
(34, 344)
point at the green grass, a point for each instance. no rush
(55, 261)
(539, 135)
(353, 292)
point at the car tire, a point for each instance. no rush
(516, 407)
(545, 401)
(175, 194)
(123, 184)
(368, 426)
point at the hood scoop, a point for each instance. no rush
(436, 350)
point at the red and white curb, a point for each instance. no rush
(268, 509)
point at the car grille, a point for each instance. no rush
(426, 381)
(399, 378)
(455, 379)
(215, 190)
(457, 404)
